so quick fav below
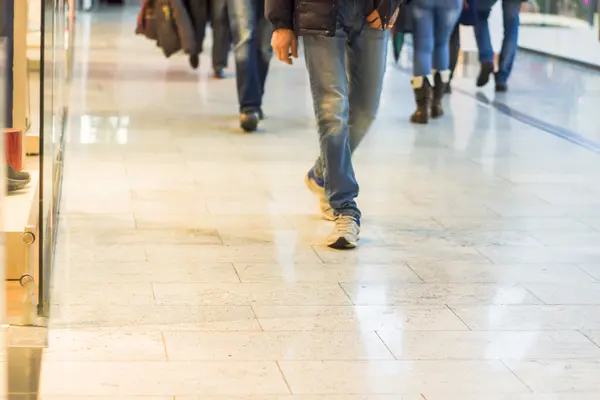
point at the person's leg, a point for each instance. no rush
(367, 56)
(221, 36)
(484, 41)
(243, 23)
(326, 64)
(265, 51)
(454, 49)
(510, 14)
(445, 20)
(423, 42)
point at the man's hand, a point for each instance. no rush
(374, 20)
(285, 45)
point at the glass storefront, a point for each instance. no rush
(568, 29)
(37, 65)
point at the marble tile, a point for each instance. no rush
(579, 293)
(114, 293)
(144, 318)
(256, 253)
(146, 237)
(88, 222)
(261, 346)
(384, 377)
(104, 345)
(139, 272)
(325, 273)
(571, 239)
(350, 318)
(392, 254)
(210, 222)
(556, 376)
(489, 345)
(537, 255)
(522, 224)
(310, 397)
(161, 378)
(93, 397)
(500, 273)
(457, 238)
(437, 294)
(239, 294)
(529, 317)
(531, 396)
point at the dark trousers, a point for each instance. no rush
(219, 21)
(454, 48)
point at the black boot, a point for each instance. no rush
(16, 180)
(487, 68)
(422, 98)
(12, 173)
(439, 89)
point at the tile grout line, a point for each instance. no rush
(287, 384)
(386, 346)
(589, 338)
(515, 375)
(459, 318)
(256, 318)
(346, 293)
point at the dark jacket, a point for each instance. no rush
(318, 17)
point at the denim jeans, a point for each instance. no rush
(219, 22)
(251, 34)
(434, 22)
(510, 17)
(346, 75)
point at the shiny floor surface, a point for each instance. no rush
(190, 262)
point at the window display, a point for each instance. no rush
(39, 50)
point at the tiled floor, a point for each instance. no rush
(190, 263)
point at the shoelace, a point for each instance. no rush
(345, 224)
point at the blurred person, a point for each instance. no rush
(345, 47)
(510, 18)
(251, 36)
(219, 21)
(467, 18)
(402, 27)
(433, 24)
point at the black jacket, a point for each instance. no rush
(310, 17)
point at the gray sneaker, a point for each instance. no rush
(345, 233)
(315, 185)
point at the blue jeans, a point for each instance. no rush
(510, 17)
(251, 35)
(434, 21)
(346, 75)
(219, 22)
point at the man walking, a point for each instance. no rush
(345, 46)
(510, 17)
(251, 36)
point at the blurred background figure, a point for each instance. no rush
(510, 17)
(251, 35)
(403, 26)
(219, 21)
(467, 18)
(433, 21)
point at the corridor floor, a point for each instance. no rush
(190, 264)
